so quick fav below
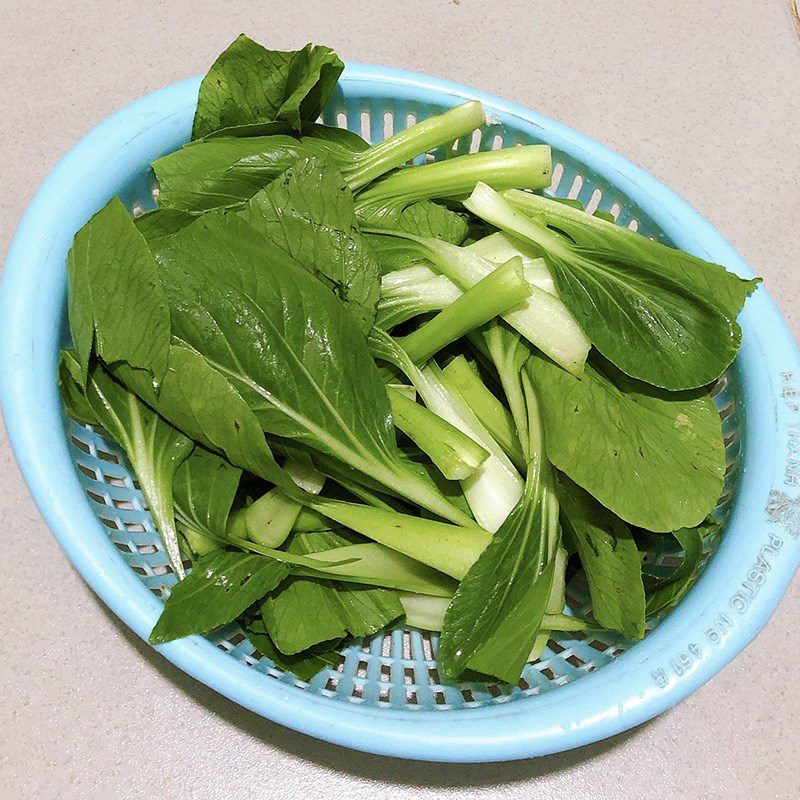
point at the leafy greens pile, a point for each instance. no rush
(357, 391)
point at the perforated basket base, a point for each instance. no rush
(386, 695)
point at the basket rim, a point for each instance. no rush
(624, 693)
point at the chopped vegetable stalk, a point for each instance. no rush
(487, 408)
(494, 294)
(414, 290)
(420, 138)
(427, 612)
(449, 548)
(270, 519)
(406, 293)
(495, 488)
(424, 611)
(508, 353)
(514, 167)
(499, 247)
(542, 319)
(455, 454)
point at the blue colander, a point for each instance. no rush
(386, 695)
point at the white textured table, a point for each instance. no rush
(702, 94)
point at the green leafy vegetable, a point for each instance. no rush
(109, 269)
(633, 302)
(250, 84)
(224, 171)
(203, 489)
(619, 439)
(492, 623)
(287, 346)
(610, 559)
(154, 447)
(219, 588)
(302, 665)
(338, 610)
(228, 341)
(541, 318)
(308, 212)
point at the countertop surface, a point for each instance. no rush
(704, 95)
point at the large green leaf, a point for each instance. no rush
(278, 334)
(202, 402)
(641, 306)
(654, 458)
(609, 557)
(204, 488)
(249, 84)
(426, 218)
(647, 324)
(303, 612)
(303, 665)
(284, 344)
(116, 304)
(219, 588)
(721, 287)
(224, 172)
(496, 612)
(154, 447)
(308, 212)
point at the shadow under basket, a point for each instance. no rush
(385, 694)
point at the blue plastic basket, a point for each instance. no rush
(386, 695)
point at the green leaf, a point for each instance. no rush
(609, 557)
(154, 447)
(720, 286)
(492, 622)
(660, 315)
(116, 304)
(303, 612)
(204, 488)
(249, 84)
(285, 343)
(302, 665)
(664, 594)
(224, 172)
(252, 319)
(202, 402)
(426, 218)
(341, 137)
(162, 222)
(219, 588)
(308, 212)
(619, 439)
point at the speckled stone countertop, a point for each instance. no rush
(703, 94)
